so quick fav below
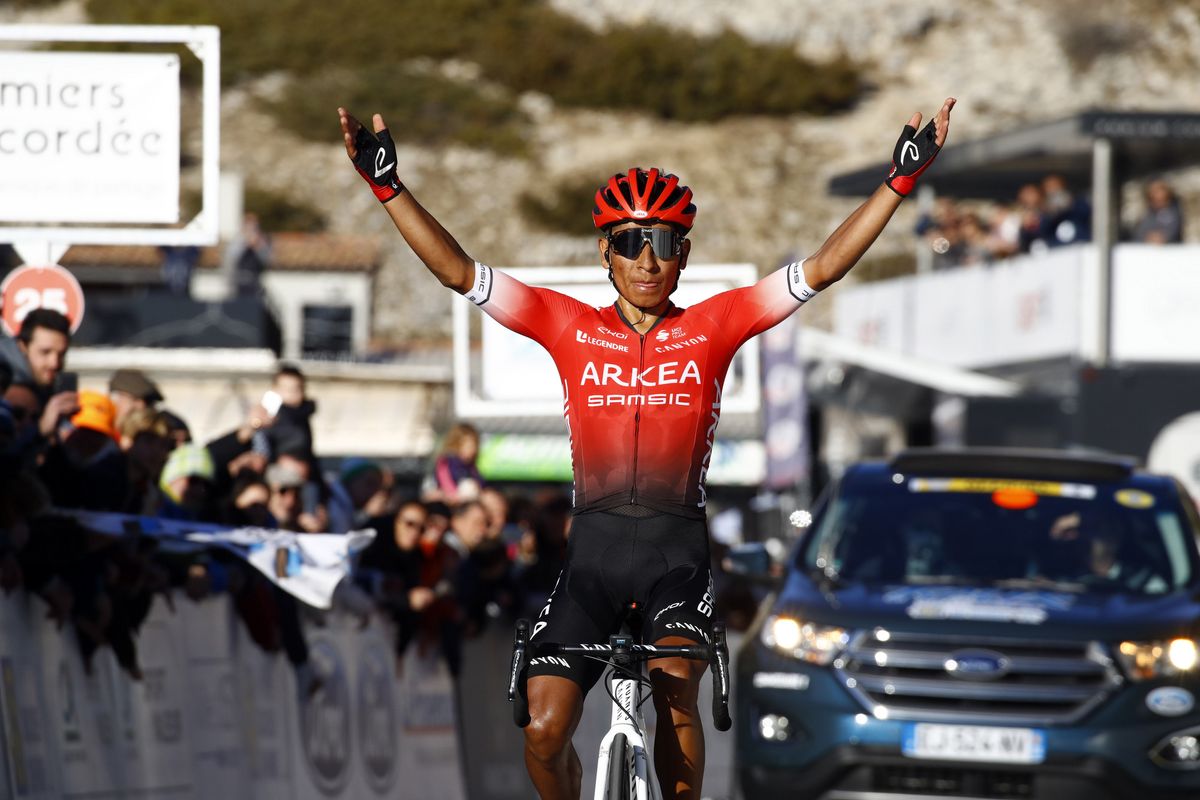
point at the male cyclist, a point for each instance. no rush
(642, 383)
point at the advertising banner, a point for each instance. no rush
(89, 137)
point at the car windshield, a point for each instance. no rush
(899, 529)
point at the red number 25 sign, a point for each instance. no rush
(27, 288)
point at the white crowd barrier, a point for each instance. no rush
(217, 717)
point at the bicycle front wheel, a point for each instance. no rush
(620, 770)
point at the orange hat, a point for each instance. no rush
(97, 413)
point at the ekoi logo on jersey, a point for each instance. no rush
(584, 338)
(669, 373)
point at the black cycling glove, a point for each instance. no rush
(376, 162)
(912, 156)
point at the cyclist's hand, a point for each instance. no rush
(374, 155)
(915, 151)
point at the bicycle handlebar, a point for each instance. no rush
(717, 656)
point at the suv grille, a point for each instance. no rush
(947, 677)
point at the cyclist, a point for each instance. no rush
(642, 383)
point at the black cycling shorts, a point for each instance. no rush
(659, 562)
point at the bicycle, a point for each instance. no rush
(623, 771)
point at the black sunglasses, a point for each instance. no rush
(665, 242)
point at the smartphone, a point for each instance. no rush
(271, 401)
(68, 382)
(310, 497)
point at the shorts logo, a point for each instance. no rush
(687, 626)
(549, 661)
(668, 608)
(584, 338)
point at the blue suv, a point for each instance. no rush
(980, 624)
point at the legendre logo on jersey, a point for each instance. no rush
(580, 336)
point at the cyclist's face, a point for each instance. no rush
(647, 280)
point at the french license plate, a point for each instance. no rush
(974, 743)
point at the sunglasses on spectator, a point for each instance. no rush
(665, 242)
(412, 523)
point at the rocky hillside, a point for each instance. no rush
(759, 182)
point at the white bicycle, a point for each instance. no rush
(623, 771)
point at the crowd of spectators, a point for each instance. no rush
(448, 557)
(1043, 216)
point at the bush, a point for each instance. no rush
(566, 209)
(420, 108)
(279, 213)
(663, 72)
(521, 44)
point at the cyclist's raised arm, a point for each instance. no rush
(748, 311)
(374, 157)
(913, 154)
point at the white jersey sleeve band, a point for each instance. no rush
(797, 286)
(481, 288)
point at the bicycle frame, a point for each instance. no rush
(627, 690)
(627, 719)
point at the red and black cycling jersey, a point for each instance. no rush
(641, 409)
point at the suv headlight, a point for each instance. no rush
(818, 644)
(1143, 661)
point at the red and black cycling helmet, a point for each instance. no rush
(644, 196)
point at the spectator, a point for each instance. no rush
(455, 477)
(973, 246)
(496, 505)
(250, 252)
(177, 428)
(233, 451)
(187, 485)
(468, 527)
(286, 480)
(1068, 217)
(179, 262)
(291, 418)
(250, 502)
(314, 515)
(1034, 234)
(357, 485)
(37, 358)
(1163, 221)
(484, 584)
(39, 353)
(1004, 232)
(87, 469)
(24, 408)
(147, 445)
(130, 389)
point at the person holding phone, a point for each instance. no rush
(291, 411)
(38, 356)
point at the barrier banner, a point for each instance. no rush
(160, 761)
(214, 717)
(28, 766)
(308, 566)
(429, 719)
